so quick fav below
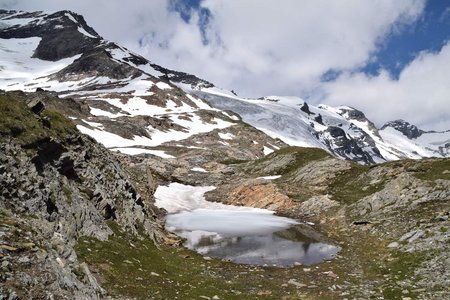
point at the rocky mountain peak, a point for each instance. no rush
(354, 114)
(407, 129)
(63, 34)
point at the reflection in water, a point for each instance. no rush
(248, 237)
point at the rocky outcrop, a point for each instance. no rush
(407, 129)
(181, 77)
(96, 63)
(259, 193)
(344, 146)
(60, 32)
(55, 190)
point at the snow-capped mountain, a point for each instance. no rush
(343, 131)
(131, 105)
(127, 103)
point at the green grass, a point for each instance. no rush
(233, 161)
(353, 184)
(17, 121)
(134, 267)
(402, 266)
(296, 156)
(433, 169)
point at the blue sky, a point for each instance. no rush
(187, 8)
(429, 33)
(388, 58)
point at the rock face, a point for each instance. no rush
(57, 187)
(64, 33)
(97, 63)
(407, 129)
(259, 193)
(344, 146)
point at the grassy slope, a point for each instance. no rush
(17, 121)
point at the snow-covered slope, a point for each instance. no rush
(414, 142)
(343, 131)
(132, 105)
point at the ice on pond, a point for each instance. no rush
(241, 234)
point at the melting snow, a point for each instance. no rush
(94, 124)
(193, 126)
(232, 117)
(18, 70)
(163, 86)
(267, 150)
(111, 140)
(82, 31)
(100, 112)
(177, 197)
(270, 177)
(198, 169)
(190, 212)
(226, 136)
(136, 151)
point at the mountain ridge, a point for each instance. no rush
(94, 64)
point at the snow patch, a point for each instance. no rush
(136, 151)
(111, 140)
(226, 136)
(94, 124)
(273, 177)
(163, 86)
(267, 150)
(177, 197)
(191, 213)
(84, 32)
(198, 169)
(19, 71)
(100, 112)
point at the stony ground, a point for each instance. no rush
(391, 220)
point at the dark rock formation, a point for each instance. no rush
(98, 63)
(346, 147)
(407, 129)
(61, 33)
(181, 77)
(55, 190)
(305, 109)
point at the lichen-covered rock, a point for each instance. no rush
(58, 186)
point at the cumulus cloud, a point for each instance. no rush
(261, 47)
(421, 94)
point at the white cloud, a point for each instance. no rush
(124, 22)
(261, 47)
(284, 48)
(421, 94)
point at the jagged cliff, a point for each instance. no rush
(56, 187)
